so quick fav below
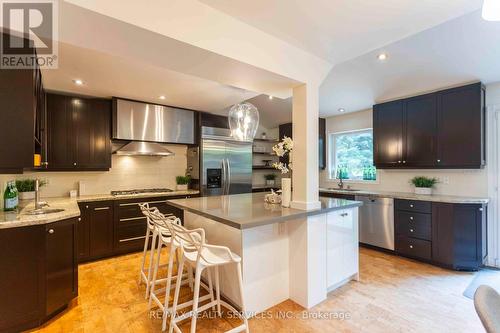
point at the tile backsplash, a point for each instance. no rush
(127, 172)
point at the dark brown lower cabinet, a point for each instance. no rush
(61, 264)
(459, 235)
(445, 234)
(108, 228)
(130, 223)
(39, 273)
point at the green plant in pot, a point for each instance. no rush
(26, 188)
(270, 178)
(182, 182)
(423, 185)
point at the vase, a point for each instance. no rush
(423, 190)
(286, 191)
(182, 187)
(26, 195)
(270, 182)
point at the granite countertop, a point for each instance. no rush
(410, 196)
(243, 211)
(70, 205)
(105, 197)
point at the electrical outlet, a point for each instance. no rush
(446, 180)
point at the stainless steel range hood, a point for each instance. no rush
(144, 149)
(148, 126)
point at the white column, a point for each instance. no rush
(305, 179)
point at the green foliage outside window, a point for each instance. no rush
(353, 156)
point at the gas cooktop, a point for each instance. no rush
(141, 191)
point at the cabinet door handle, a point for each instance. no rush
(404, 162)
(101, 208)
(74, 163)
(399, 161)
(79, 219)
(87, 206)
(344, 214)
(411, 230)
(439, 161)
(480, 209)
(51, 231)
(411, 246)
(411, 218)
(411, 206)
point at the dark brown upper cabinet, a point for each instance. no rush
(442, 130)
(461, 127)
(21, 117)
(388, 134)
(420, 119)
(79, 132)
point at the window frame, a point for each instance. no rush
(332, 156)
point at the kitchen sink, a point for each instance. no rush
(43, 211)
(343, 189)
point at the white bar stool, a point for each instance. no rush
(165, 238)
(151, 231)
(196, 253)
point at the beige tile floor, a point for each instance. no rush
(393, 295)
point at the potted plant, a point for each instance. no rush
(423, 185)
(270, 179)
(182, 182)
(26, 188)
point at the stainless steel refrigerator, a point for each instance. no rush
(225, 164)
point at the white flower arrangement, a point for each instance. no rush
(281, 149)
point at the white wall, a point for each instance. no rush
(460, 182)
(127, 172)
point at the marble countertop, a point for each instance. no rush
(410, 196)
(243, 211)
(19, 218)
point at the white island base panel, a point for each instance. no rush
(300, 259)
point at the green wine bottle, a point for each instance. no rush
(11, 198)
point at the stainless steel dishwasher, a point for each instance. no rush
(376, 221)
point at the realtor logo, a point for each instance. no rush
(30, 34)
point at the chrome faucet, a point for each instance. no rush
(340, 184)
(38, 204)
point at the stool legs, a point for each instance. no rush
(197, 281)
(144, 254)
(151, 259)
(153, 284)
(217, 290)
(176, 294)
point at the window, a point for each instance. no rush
(351, 155)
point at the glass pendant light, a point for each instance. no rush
(243, 121)
(491, 10)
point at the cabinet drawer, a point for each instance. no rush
(414, 206)
(413, 247)
(416, 225)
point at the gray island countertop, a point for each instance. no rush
(243, 211)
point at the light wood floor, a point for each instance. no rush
(393, 295)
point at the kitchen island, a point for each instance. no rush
(286, 253)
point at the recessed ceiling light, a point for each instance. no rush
(78, 82)
(382, 56)
(161, 97)
(270, 97)
(491, 10)
(341, 110)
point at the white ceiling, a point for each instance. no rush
(108, 75)
(462, 50)
(338, 30)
